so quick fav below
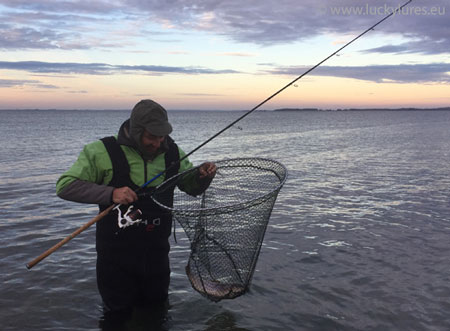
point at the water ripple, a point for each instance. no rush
(358, 238)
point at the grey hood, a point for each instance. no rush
(125, 138)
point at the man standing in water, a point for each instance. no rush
(132, 256)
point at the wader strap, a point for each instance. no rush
(120, 166)
(121, 169)
(172, 157)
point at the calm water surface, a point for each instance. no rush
(359, 238)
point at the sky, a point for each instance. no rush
(223, 55)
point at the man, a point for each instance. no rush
(132, 241)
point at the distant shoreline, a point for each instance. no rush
(363, 109)
(241, 110)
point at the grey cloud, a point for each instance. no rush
(269, 22)
(103, 68)
(263, 22)
(53, 29)
(389, 49)
(16, 82)
(16, 38)
(423, 47)
(78, 92)
(46, 86)
(403, 73)
(81, 6)
(8, 83)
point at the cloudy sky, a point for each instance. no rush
(212, 54)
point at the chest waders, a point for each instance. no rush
(133, 261)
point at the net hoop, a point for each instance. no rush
(277, 168)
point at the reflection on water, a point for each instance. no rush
(358, 238)
(140, 318)
(223, 321)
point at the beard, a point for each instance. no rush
(147, 152)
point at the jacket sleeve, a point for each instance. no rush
(85, 180)
(191, 183)
(87, 192)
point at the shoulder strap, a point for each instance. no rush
(172, 158)
(121, 169)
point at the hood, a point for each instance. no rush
(124, 138)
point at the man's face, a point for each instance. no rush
(151, 142)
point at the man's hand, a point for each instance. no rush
(207, 170)
(124, 195)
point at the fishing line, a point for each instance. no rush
(106, 211)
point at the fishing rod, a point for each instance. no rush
(282, 89)
(298, 78)
(107, 210)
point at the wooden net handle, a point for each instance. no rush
(70, 237)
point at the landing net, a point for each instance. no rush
(226, 223)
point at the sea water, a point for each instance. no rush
(359, 238)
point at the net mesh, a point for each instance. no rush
(226, 223)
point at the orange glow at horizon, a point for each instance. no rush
(226, 91)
